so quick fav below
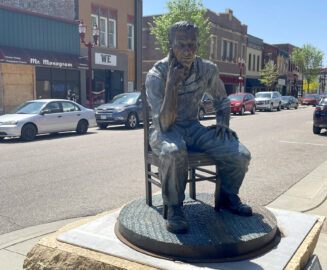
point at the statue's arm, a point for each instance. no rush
(168, 110)
(221, 103)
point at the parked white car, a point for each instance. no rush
(46, 116)
(268, 101)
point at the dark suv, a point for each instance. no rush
(124, 108)
(320, 116)
(206, 106)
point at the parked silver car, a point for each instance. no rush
(268, 101)
(46, 116)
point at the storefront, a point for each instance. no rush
(110, 75)
(31, 74)
(231, 83)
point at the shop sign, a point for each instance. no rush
(281, 81)
(105, 59)
(47, 62)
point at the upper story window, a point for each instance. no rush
(130, 37)
(94, 22)
(253, 67)
(105, 18)
(223, 49)
(258, 63)
(249, 63)
(228, 50)
(213, 47)
(103, 28)
(112, 33)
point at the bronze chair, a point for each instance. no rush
(196, 160)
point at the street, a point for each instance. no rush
(65, 175)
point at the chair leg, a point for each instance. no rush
(148, 187)
(165, 211)
(217, 189)
(192, 183)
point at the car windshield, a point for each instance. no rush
(28, 108)
(128, 99)
(323, 101)
(310, 96)
(285, 98)
(235, 97)
(263, 95)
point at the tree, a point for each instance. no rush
(308, 61)
(269, 75)
(181, 10)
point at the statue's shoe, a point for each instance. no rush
(233, 203)
(176, 221)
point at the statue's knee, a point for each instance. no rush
(173, 150)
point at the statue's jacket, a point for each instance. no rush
(204, 78)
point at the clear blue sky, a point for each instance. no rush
(296, 22)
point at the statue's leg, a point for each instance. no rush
(232, 159)
(171, 149)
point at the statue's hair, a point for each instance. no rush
(180, 27)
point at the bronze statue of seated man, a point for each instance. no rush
(174, 87)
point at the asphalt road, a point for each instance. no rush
(64, 176)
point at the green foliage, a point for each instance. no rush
(308, 61)
(269, 75)
(181, 10)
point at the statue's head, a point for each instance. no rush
(183, 39)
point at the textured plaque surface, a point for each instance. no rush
(212, 235)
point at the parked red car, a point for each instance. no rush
(241, 103)
(310, 99)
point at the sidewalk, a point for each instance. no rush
(308, 196)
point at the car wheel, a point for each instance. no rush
(102, 125)
(82, 127)
(279, 107)
(234, 113)
(242, 110)
(1, 138)
(201, 114)
(316, 130)
(296, 106)
(253, 110)
(132, 121)
(28, 132)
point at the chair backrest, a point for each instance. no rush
(145, 109)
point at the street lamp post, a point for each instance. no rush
(89, 45)
(241, 64)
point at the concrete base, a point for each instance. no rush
(300, 231)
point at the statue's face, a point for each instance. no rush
(185, 46)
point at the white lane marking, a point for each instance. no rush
(317, 144)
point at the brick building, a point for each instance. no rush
(253, 64)
(113, 60)
(294, 82)
(227, 44)
(41, 59)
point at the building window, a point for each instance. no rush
(57, 83)
(253, 67)
(213, 47)
(243, 51)
(258, 63)
(234, 53)
(223, 49)
(103, 28)
(249, 64)
(94, 22)
(130, 37)
(112, 33)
